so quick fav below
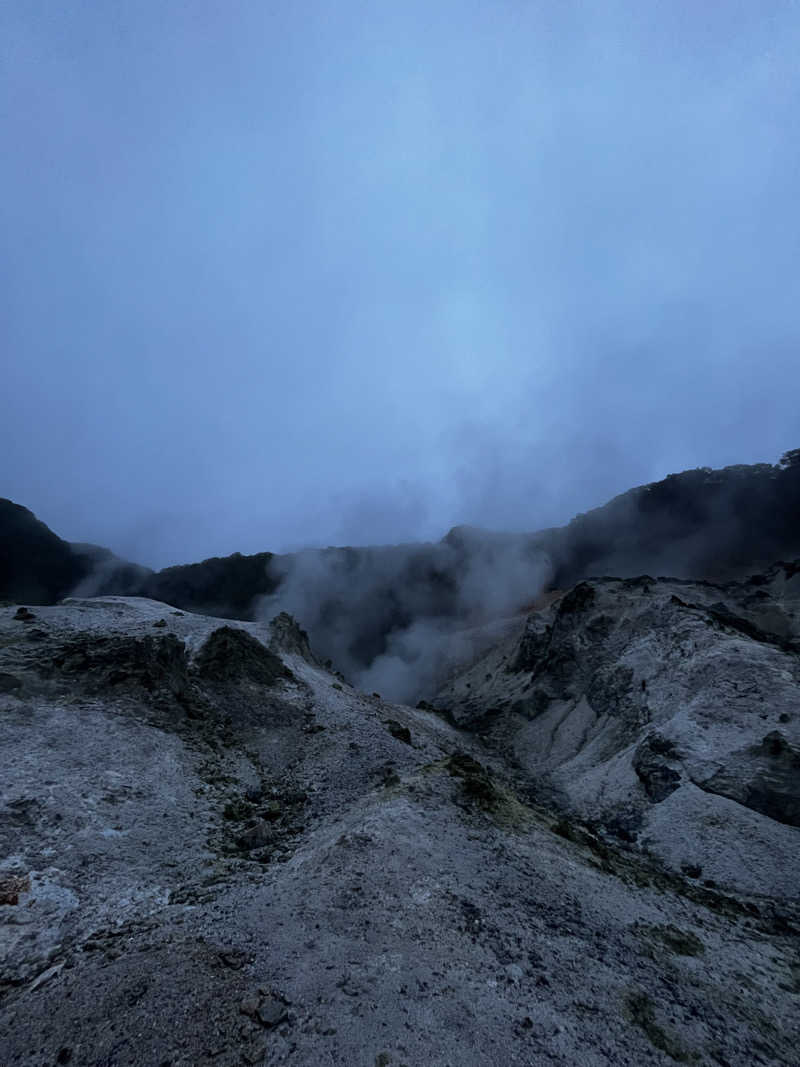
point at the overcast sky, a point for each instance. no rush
(280, 274)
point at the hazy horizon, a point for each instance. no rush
(277, 277)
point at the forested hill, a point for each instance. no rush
(700, 523)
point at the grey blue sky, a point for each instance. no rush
(281, 274)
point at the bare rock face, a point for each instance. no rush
(287, 636)
(231, 653)
(764, 777)
(213, 851)
(99, 664)
(651, 761)
(667, 708)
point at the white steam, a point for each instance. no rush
(398, 620)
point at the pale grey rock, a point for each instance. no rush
(622, 694)
(418, 903)
(287, 636)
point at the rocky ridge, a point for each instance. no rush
(666, 711)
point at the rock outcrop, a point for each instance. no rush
(662, 709)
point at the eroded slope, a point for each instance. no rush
(668, 711)
(216, 852)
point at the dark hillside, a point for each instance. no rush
(222, 586)
(699, 524)
(36, 566)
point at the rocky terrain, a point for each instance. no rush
(666, 711)
(213, 850)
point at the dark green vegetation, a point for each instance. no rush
(681, 942)
(642, 1012)
(702, 523)
(35, 565)
(224, 587)
(38, 567)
